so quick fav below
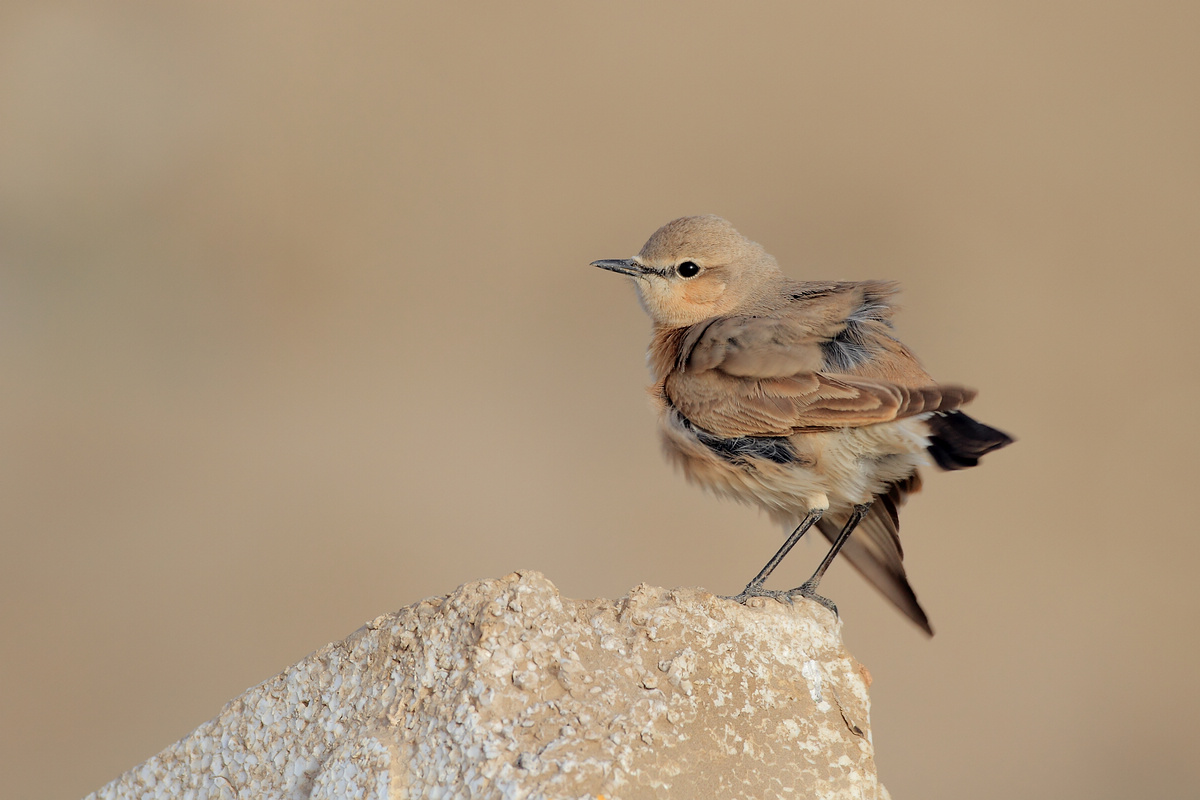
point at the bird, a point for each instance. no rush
(795, 396)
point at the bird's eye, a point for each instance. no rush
(688, 269)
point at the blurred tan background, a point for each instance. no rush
(296, 328)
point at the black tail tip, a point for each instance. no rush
(958, 441)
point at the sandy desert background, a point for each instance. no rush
(296, 328)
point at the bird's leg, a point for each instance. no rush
(755, 587)
(809, 587)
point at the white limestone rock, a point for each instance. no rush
(505, 689)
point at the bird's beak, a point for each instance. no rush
(625, 266)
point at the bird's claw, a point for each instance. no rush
(757, 590)
(808, 590)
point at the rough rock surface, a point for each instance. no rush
(505, 689)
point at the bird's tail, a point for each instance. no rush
(874, 548)
(958, 442)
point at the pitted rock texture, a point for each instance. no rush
(505, 689)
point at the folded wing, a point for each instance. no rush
(826, 360)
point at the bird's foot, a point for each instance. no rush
(756, 590)
(808, 590)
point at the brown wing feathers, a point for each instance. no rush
(729, 406)
(769, 374)
(752, 347)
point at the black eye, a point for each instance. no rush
(688, 269)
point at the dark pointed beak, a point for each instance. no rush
(625, 266)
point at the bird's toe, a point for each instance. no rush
(757, 590)
(808, 590)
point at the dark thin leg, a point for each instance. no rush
(809, 587)
(755, 587)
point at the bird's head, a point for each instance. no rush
(694, 268)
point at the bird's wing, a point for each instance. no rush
(819, 320)
(729, 405)
(874, 549)
(825, 360)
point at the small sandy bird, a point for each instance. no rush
(795, 396)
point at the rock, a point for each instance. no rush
(506, 689)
